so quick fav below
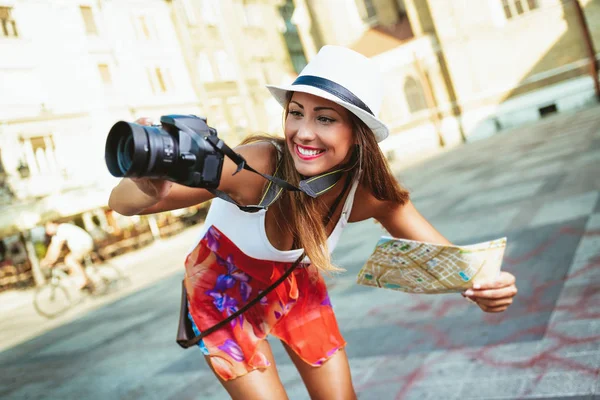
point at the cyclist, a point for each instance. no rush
(79, 243)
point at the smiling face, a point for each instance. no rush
(318, 134)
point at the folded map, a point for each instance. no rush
(418, 267)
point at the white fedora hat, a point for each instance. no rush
(345, 77)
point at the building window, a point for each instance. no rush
(210, 11)
(143, 29)
(415, 97)
(238, 117)
(205, 70)
(217, 119)
(151, 79)
(266, 69)
(291, 36)
(88, 20)
(160, 79)
(506, 8)
(225, 66)
(105, 74)
(366, 9)
(513, 8)
(40, 156)
(252, 15)
(9, 26)
(190, 13)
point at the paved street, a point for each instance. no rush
(538, 185)
(19, 321)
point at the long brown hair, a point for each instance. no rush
(302, 216)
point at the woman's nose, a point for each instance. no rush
(305, 132)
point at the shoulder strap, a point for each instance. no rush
(271, 194)
(242, 164)
(313, 187)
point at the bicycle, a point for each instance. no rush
(57, 295)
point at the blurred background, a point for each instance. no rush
(492, 106)
(455, 71)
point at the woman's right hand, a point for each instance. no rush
(155, 188)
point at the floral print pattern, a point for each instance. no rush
(220, 279)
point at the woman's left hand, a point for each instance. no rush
(494, 296)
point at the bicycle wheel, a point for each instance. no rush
(51, 300)
(107, 278)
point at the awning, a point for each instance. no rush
(22, 216)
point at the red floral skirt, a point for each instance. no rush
(220, 279)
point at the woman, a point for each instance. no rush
(330, 124)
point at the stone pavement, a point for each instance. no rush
(19, 321)
(538, 185)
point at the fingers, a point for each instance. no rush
(494, 296)
(509, 291)
(492, 309)
(144, 121)
(503, 280)
(491, 303)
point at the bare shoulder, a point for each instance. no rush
(367, 206)
(246, 186)
(261, 155)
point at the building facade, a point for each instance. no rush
(463, 70)
(232, 49)
(515, 61)
(70, 70)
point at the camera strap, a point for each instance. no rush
(313, 186)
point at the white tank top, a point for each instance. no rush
(247, 230)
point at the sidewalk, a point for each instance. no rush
(20, 322)
(538, 185)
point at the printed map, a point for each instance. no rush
(418, 267)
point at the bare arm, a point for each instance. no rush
(406, 222)
(53, 251)
(127, 198)
(130, 197)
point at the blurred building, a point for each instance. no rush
(70, 70)
(462, 70)
(291, 36)
(232, 49)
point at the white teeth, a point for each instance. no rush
(307, 152)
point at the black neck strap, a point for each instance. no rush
(313, 186)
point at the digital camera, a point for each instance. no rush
(182, 150)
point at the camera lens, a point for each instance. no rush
(134, 150)
(125, 153)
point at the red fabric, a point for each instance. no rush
(220, 279)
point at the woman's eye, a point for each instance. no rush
(326, 120)
(296, 113)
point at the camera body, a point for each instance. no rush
(181, 151)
